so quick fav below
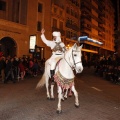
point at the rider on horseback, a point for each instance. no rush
(58, 49)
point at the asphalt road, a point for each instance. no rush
(99, 100)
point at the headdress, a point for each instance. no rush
(57, 35)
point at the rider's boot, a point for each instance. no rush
(52, 72)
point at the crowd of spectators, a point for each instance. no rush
(108, 68)
(15, 69)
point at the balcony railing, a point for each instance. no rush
(74, 27)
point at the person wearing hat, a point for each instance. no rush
(58, 49)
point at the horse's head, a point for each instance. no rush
(75, 58)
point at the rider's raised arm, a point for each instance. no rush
(47, 42)
(44, 39)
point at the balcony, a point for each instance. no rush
(74, 27)
(85, 28)
(88, 17)
(101, 29)
(84, 7)
(74, 2)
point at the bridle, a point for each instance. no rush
(74, 63)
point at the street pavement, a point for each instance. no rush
(99, 100)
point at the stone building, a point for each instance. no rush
(20, 25)
(21, 22)
(97, 22)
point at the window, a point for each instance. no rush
(55, 10)
(61, 13)
(39, 7)
(61, 25)
(68, 34)
(68, 10)
(55, 23)
(3, 5)
(71, 12)
(39, 26)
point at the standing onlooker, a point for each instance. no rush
(16, 69)
(31, 66)
(2, 67)
(22, 69)
(9, 68)
(35, 67)
(43, 61)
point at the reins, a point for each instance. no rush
(75, 63)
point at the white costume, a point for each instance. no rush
(58, 48)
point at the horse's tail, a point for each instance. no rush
(41, 82)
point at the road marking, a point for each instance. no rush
(96, 88)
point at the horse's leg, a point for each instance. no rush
(76, 96)
(66, 92)
(47, 86)
(52, 92)
(70, 93)
(59, 100)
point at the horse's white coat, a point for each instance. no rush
(71, 60)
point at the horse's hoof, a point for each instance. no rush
(77, 106)
(48, 98)
(59, 111)
(65, 98)
(52, 99)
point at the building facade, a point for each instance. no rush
(118, 13)
(72, 21)
(66, 19)
(97, 22)
(21, 22)
(58, 18)
(20, 25)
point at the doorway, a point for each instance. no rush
(8, 46)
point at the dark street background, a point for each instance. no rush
(99, 100)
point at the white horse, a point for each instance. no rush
(64, 75)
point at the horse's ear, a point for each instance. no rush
(75, 46)
(80, 47)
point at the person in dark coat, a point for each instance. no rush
(9, 70)
(2, 67)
